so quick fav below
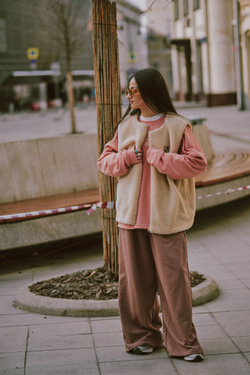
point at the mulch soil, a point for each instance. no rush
(96, 284)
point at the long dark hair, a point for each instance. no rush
(153, 89)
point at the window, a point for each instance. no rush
(196, 4)
(185, 7)
(176, 10)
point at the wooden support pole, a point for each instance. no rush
(109, 111)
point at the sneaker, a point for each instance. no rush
(194, 358)
(143, 349)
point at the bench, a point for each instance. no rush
(45, 174)
(225, 172)
(62, 173)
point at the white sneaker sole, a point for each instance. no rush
(194, 358)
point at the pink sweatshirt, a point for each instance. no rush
(189, 162)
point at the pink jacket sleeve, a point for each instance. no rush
(114, 163)
(189, 163)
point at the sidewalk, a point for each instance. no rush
(233, 124)
(219, 245)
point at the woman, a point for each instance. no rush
(155, 157)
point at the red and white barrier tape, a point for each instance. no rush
(29, 215)
(34, 214)
(108, 205)
(229, 191)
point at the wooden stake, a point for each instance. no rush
(109, 110)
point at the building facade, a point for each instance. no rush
(244, 31)
(133, 51)
(203, 53)
(30, 27)
(159, 40)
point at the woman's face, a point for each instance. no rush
(135, 100)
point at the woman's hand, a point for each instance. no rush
(138, 154)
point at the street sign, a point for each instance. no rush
(132, 57)
(33, 53)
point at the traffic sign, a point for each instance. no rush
(33, 53)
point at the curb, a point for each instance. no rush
(26, 300)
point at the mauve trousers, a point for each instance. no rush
(149, 263)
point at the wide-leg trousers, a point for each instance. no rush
(148, 264)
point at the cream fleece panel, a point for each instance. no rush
(172, 201)
(131, 133)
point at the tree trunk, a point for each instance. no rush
(71, 102)
(109, 110)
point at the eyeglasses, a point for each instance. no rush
(131, 92)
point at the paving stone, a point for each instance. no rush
(61, 357)
(12, 361)
(246, 282)
(9, 290)
(52, 341)
(247, 355)
(200, 309)
(67, 369)
(108, 339)
(12, 371)
(210, 332)
(203, 320)
(217, 306)
(13, 339)
(219, 346)
(243, 343)
(6, 306)
(240, 270)
(28, 319)
(139, 367)
(17, 277)
(118, 353)
(218, 276)
(235, 295)
(235, 323)
(58, 329)
(215, 364)
(231, 284)
(113, 325)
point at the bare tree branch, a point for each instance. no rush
(53, 5)
(154, 1)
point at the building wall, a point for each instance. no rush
(158, 36)
(27, 24)
(245, 49)
(221, 41)
(212, 64)
(130, 38)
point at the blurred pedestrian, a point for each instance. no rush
(64, 97)
(155, 157)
